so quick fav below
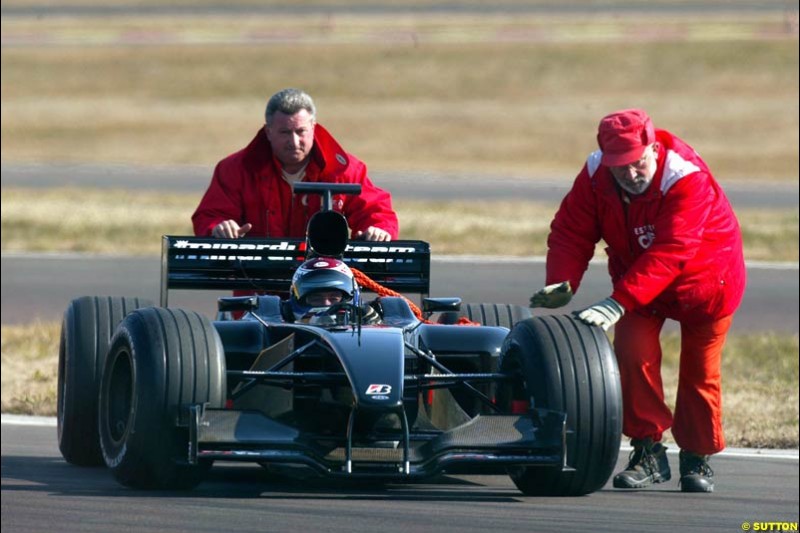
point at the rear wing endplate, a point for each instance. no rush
(268, 264)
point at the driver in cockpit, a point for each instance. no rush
(325, 292)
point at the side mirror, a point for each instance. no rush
(237, 303)
(436, 305)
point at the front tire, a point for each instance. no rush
(566, 365)
(161, 361)
(86, 330)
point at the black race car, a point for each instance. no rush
(157, 394)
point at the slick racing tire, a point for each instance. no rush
(568, 366)
(160, 362)
(86, 331)
(505, 315)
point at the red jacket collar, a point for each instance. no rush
(327, 154)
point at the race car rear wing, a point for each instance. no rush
(268, 264)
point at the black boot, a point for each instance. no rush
(696, 475)
(648, 464)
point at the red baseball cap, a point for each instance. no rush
(623, 136)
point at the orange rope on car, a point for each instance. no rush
(368, 283)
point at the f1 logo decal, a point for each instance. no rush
(375, 390)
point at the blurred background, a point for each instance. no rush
(458, 87)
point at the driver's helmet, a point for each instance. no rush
(319, 283)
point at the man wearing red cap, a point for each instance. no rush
(674, 251)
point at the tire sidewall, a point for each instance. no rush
(121, 354)
(123, 449)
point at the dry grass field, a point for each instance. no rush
(94, 220)
(515, 94)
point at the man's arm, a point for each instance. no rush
(573, 234)
(370, 215)
(219, 209)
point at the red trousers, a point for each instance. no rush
(697, 422)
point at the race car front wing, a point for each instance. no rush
(487, 444)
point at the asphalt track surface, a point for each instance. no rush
(41, 492)
(403, 185)
(40, 286)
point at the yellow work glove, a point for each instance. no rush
(552, 296)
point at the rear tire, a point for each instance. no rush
(161, 361)
(568, 366)
(86, 331)
(505, 315)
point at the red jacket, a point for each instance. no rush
(247, 186)
(675, 250)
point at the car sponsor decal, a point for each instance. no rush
(378, 249)
(203, 250)
(195, 245)
(379, 391)
(227, 251)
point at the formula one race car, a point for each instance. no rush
(158, 394)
